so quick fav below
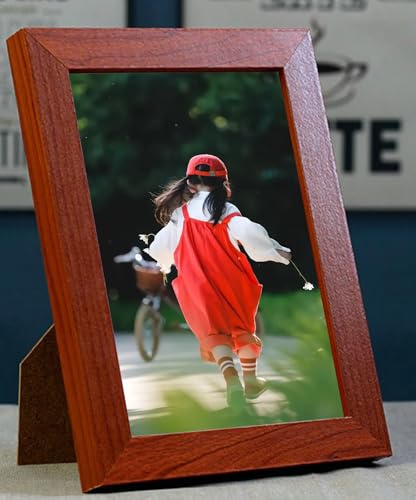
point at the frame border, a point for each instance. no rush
(107, 454)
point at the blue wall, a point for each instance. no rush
(384, 246)
(157, 13)
(25, 312)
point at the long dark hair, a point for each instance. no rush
(178, 192)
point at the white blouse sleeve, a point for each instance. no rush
(256, 241)
(164, 244)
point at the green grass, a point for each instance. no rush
(309, 383)
(284, 314)
(183, 413)
(292, 312)
(124, 311)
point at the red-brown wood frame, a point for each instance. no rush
(107, 454)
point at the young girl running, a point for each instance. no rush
(216, 287)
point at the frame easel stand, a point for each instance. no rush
(45, 434)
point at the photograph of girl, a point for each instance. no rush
(201, 226)
(216, 287)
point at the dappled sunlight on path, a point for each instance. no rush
(177, 367)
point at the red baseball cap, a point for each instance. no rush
(217, 166)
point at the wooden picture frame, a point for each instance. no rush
(107, 454)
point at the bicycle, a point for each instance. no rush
(148, 322)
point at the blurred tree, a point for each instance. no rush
(139, 130)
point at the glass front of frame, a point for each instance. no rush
(138, 132)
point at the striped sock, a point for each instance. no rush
(227, 368)
(249, 367)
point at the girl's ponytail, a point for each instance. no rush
(215, 202)
(172, 197)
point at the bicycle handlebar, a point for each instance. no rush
(135, 256)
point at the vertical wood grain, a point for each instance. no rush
(334, 259)
(72, 261)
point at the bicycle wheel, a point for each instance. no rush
(147, 330)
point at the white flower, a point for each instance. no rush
(145, 237)
(308, 286)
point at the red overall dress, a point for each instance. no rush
(216, 287)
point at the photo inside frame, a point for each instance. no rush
(138, 131)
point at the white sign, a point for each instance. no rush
(365, 51)
(15, 190)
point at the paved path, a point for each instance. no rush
(177, 366)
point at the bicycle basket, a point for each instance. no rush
(149, 280)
